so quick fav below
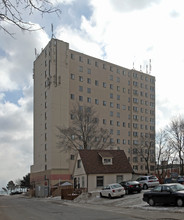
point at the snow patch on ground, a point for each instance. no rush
(128, 201)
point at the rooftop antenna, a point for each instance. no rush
(149, 66)
(147, 69)
(52, 30)
(134, 63)
(36, 53)
(140, 68)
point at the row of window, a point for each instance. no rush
(111, 104)
(124, 141)
(136, 159)
(135, 151)
(135, 125)
(142, 102)
(117, 141)
(141, 167)
(141, 93)
(136, 84)
(135, 117)
(111, 77)
(96, 63)
(113, 68)
(111, 95)
(111, 86)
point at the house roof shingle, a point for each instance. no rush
(105, 154)
(92, 161)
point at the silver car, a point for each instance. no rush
(112, 190)
(148, 181)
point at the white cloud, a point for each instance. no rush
(130, 5)
(13, 163)
(17, 64)
(65, 2)
(2, 95)
(79, 40)
(16, 140)
(16, 131)
(148, 31)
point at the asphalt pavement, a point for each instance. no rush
(85, 207)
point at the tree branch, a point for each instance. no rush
(11, 12)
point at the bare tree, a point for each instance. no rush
(146, 150)
(84, 132)
(11, 11)
(164, 152)
(176, 139)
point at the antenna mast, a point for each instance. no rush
(36, 54)
(147, 69)
(150, 66)
(141, 68)
(52, 31)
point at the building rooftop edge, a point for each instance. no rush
(105, 61)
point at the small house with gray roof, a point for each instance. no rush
(97, 168)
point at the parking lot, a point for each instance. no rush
(128, 201)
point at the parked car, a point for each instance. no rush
(171, 193)
(131, 186)
(15, 193)
(112, 190)
(180, 179)
(148, 181)
(170, 180)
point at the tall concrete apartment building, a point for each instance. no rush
(124, 99)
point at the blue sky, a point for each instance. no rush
(121, 32)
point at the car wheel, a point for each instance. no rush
(145, 186)
(110, 197)
(151, 202)
(139, 191)
(101, 195)
(179, 202)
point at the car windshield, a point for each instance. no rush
(132, 182)
(157, 188)
(152, 177)
(180, 177)
(177, 187)
(115, 186)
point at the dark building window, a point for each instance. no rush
(99, 181)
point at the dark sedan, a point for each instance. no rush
(172, 193)
(181, 179)
(131, 186)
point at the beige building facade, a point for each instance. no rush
(124, 99)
